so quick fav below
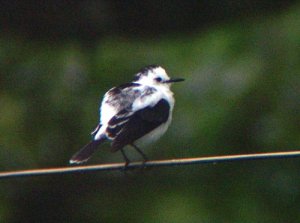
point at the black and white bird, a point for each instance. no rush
(133, 114)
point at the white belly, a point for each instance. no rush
(154, 135)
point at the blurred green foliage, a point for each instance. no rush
(241, 95)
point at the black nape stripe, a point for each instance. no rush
(144, 71)
(118, 89)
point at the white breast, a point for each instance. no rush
(155, 134)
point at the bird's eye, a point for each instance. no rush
(158, 79)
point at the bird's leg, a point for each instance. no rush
(140, 152)
(127, 161)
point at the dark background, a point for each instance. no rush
(240, 60)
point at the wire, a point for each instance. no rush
(155, 163)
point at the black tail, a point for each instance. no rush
(86, 152)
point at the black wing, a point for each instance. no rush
(126, 127)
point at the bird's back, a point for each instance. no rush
(118, 99)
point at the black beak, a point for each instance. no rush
(174, 80)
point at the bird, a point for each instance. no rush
(133, 114)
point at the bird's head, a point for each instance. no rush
(155, 75)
